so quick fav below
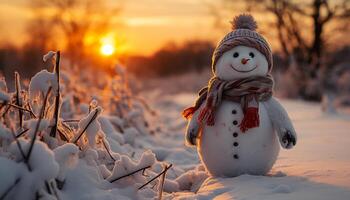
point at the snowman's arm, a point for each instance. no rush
(192, 129)
(281, 123)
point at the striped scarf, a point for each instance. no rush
(248, 92)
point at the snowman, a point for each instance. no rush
(236, 123)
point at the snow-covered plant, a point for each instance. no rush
(90, 126)
(56, 141)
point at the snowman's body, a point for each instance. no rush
(223, 148)
(226, 151)
(231, 142)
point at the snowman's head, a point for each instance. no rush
(243, 52)
(241, 62)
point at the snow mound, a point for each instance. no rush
(269, 188)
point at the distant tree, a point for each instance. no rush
(74, 20)
(39, 41)
(173, 59)
(302, 28)
(27, 59)
(9, 62)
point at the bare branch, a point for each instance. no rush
(21, 108)
(154, 178)
(129, 174)
(70, 120)
(107, 149)
(87, 126)
(161, 186)
(295, 30)
(329, 14)
(18, 98)
(22, 132)
(58, 95)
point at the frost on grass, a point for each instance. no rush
(91, 126)
(38, 87)
(95, 153)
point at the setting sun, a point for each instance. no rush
(107, 49)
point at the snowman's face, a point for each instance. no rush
(241, 62)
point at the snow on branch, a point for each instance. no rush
(126, 167)
(98, 154)
(90, 125)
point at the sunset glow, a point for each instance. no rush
(141, 28)
(107, 49)
(107, 43)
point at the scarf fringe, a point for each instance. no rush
(250, 120)
(188, 112)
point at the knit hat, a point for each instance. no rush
(243, 34)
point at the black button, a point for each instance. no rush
(235, 156)
(235, 122)
(234, 111)
(235, 134)
(235, 144)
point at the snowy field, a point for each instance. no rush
(317, 168)
(114, 145)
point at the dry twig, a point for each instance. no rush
(154, 178)
(58, 95)
(22, 132)
(161, 182)
(87, 126)
(126, 175)
(20, 108)
(107, 149)
(70, 120)
(18, 98)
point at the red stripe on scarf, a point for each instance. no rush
(251, 90)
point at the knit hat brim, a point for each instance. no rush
(261, 45)
(243, 34)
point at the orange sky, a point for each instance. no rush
(149, 24)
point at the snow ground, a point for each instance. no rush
(317, 168)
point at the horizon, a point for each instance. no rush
(144, 27)
(136, 25)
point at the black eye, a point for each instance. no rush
(235, 55)
(251, 54)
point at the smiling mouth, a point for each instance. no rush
(243, 71)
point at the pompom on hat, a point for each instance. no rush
(243, 34)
